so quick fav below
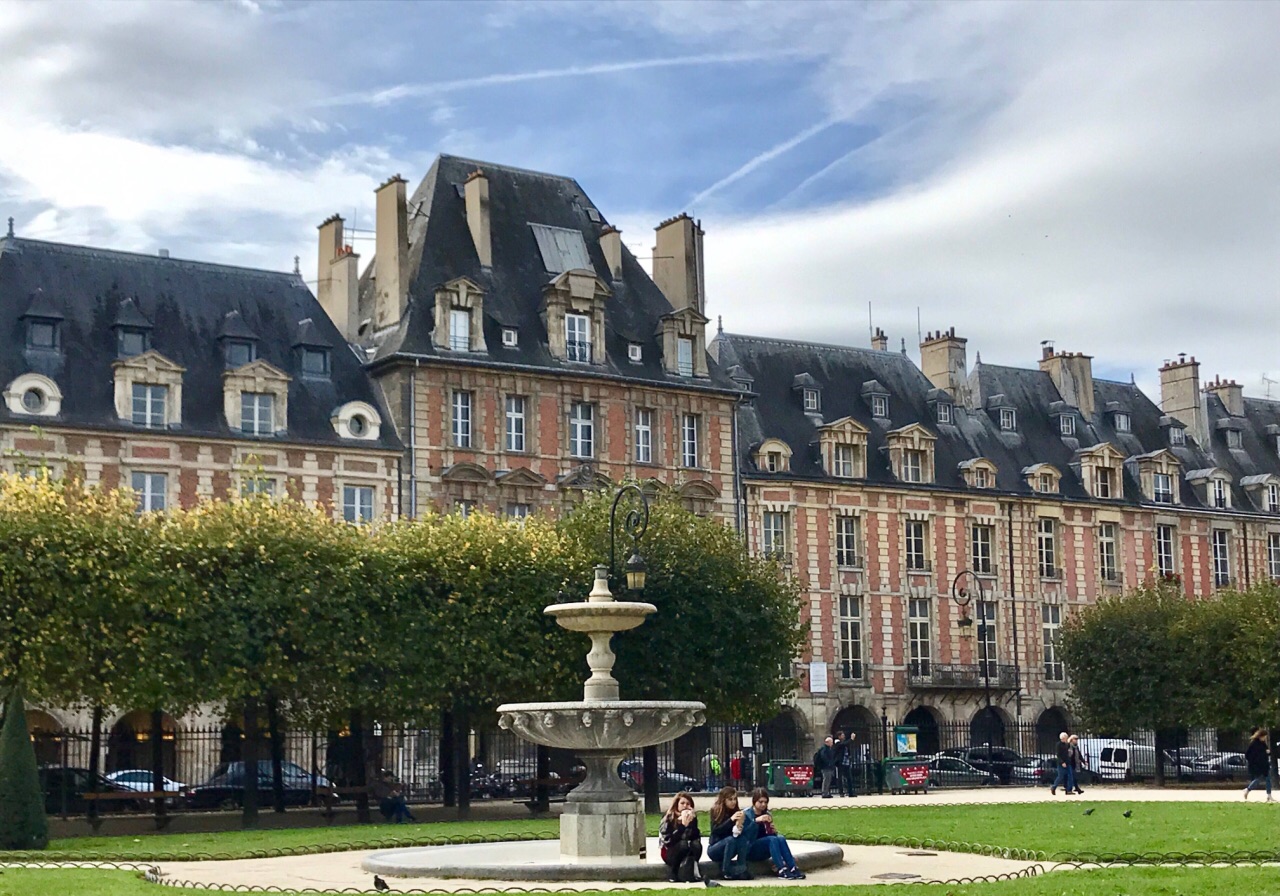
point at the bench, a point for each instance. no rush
(531, 802)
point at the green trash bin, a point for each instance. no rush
(906, 774)
(788, 777)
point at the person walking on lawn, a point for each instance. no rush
(1258, 757)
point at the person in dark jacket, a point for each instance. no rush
(1066, 771)
(824, 763)
(680, 840)
(1258, 757)
(726, 844)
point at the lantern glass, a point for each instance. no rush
(636, 571)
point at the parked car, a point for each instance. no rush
(1120, 759)
(225, 789)
(632, 771)
(948, 771)
(1220, 767)
(64, 788)
(1042, 770)
(516, 776)
(1000, 761)
(140, 780)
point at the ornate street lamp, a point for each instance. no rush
(960, 595)
(634, 524)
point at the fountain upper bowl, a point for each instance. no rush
(603, 616)
(602, 725)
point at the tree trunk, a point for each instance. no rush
(462, 758)
(157, 768)
(448, 777)
(359, 766)
(1161, 739)
(652, 786)
(542, 771)
(249, 757)
(95, 762)
(277, 753)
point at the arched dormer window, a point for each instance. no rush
(773, 456)
(1158, 475)
(1212, 487)
(1043, 478)
(978, 472)
(1263, 490)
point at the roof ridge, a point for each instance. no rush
(856, 349)
(481, 164)
(91, 251)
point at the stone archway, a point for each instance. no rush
(861, 723)
(781, 738)
(47, 736)
(988, 727)
(925, 718)
(1049, 724)
(129, 743)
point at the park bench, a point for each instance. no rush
(531, 802)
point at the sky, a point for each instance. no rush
(1105, 176)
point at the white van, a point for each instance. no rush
(1120, 759)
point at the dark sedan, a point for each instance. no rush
(64, 789)
(632, 771)
(226, 788)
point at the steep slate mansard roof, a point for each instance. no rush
(441, 249)
(840, 373)
(186, 304)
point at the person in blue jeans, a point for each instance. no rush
(1066, 766)
(1258, 757)
(764, 839)
(727, 845)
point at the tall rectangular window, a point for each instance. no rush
(916, 538)
(151, 489)
(980, 557)
(851, 637)
(980, 478)
(944, 412)
(1273, 555)
(1221, 557)
(462, 419)
(812, 400)
(920, 639)
(1162, 488)
(774, 533)
(912, 465)
(1103, 482)
(149, 405)
(1047, 547)
(988, 657)
(879, 406)
(843, 461)
(1218, 493)
(257, 485)
(582, 429)
(847, 541)
(689, 456)
(1177, 436)
(518, 511)
(1108, 552)
(1067, 425)
(577, 337)
(1164, 550)
(460, 329)
(684, 356)
(257, 411)
(357, 503)
(1273, 498)
(644, 436)
(1051, 619)
(515, 425)
(1008, 419)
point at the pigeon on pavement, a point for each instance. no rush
(380, 885)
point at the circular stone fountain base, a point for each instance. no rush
(541, 860)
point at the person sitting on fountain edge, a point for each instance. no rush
(680, 840)
(727, 845)
(766, 842)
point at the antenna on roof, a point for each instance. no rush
(297, 266)
(1267, 382)
(10, 234)
(904, 346)
(919, 332)
(871, 330)
(719, 324)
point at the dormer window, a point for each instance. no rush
(1042, 478)
(811, 400)
(1218, 494)
(1122, 423)
(130, 342)
(1162, 488)
(773, 456)
(981, 478)
(42, 334)
(845, 461)
(1103, 482)
(1008, 420)
(684, 356)
(911, 453)
(1067, 425)
(773, 461)
(240, 352)
(315, 361)
(460, 330)
(1177, 436)
(577, 338)
(843, 446)
(510, 337)
(978, 472)
(880, 406)
(635, 352)
(1045, 484)
(1233, 438)
(945, 412)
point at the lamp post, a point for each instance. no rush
(960, 595)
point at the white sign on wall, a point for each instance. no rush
(817, 677)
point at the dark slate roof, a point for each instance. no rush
(186, 306)
(441, 250)
(843, 372)
(1259, 437)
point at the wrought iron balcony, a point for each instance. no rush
(966, 676)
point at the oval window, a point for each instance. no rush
(34, 401)
(357, 425)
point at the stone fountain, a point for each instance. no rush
(603, 819)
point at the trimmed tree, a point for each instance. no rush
(22, 820)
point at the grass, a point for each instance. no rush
(1104, 882)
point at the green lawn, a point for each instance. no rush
(1109, 882)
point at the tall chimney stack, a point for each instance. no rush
(1230, 392)
(677, 262)
(611, 246)
(337, 280)
(943, 362)
(391, 262)
(1072, 375)
(880, 341)
(1180, 396)
(476, 192)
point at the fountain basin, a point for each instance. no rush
(601, 616)
(616, 725)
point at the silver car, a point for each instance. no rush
(140, 780)
(948, 771)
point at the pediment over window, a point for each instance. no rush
(150, 362)
(520, 477)
(256, 377)
(148, 369)
(464, 295)
(579, 293)
(584, 477)
(699, 488)
(258, 372)
(1103, 452)
(683, 323)
(910, 450)
(845, 429)
(466, 472)
(912, 434)
(843, 446)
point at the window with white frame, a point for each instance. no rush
(1067, 425)
(851, 638)
(257, 413)
(1122, 423)
(149, 405)
(151, 489)
(515, 423)
(689, 426)
(773, 532)
(916, 534)
(981, 478)
(879, 405)
(773, 461)
(684, 356)
(1008, 419)
(843, 458)
(847, 541)
(518, 511)
(461, 419)
(1273, 498)
(1047, 546)
(464, 509)
(988, 656)
(1164, 550)
(1221, 540)
(1177, 436)
(257, 485)
(577, 337)
(1162, 488)
(1108, 552)
(460, 329)
(920, 637)
(357, 503)
(811, 402)
(644, 436)
(980, 548)
(1103, 482)
(1233, 438)
(1273, 555)
(1044, 483)
(1051, 628)
(912, 465)
(510, 337)
(582, 429)
(1217, 493)
(635, 352)
(944, 412)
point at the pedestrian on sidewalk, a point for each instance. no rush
(1077, 761)
(1066, 773)
(824, 763)
(1258, 757)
